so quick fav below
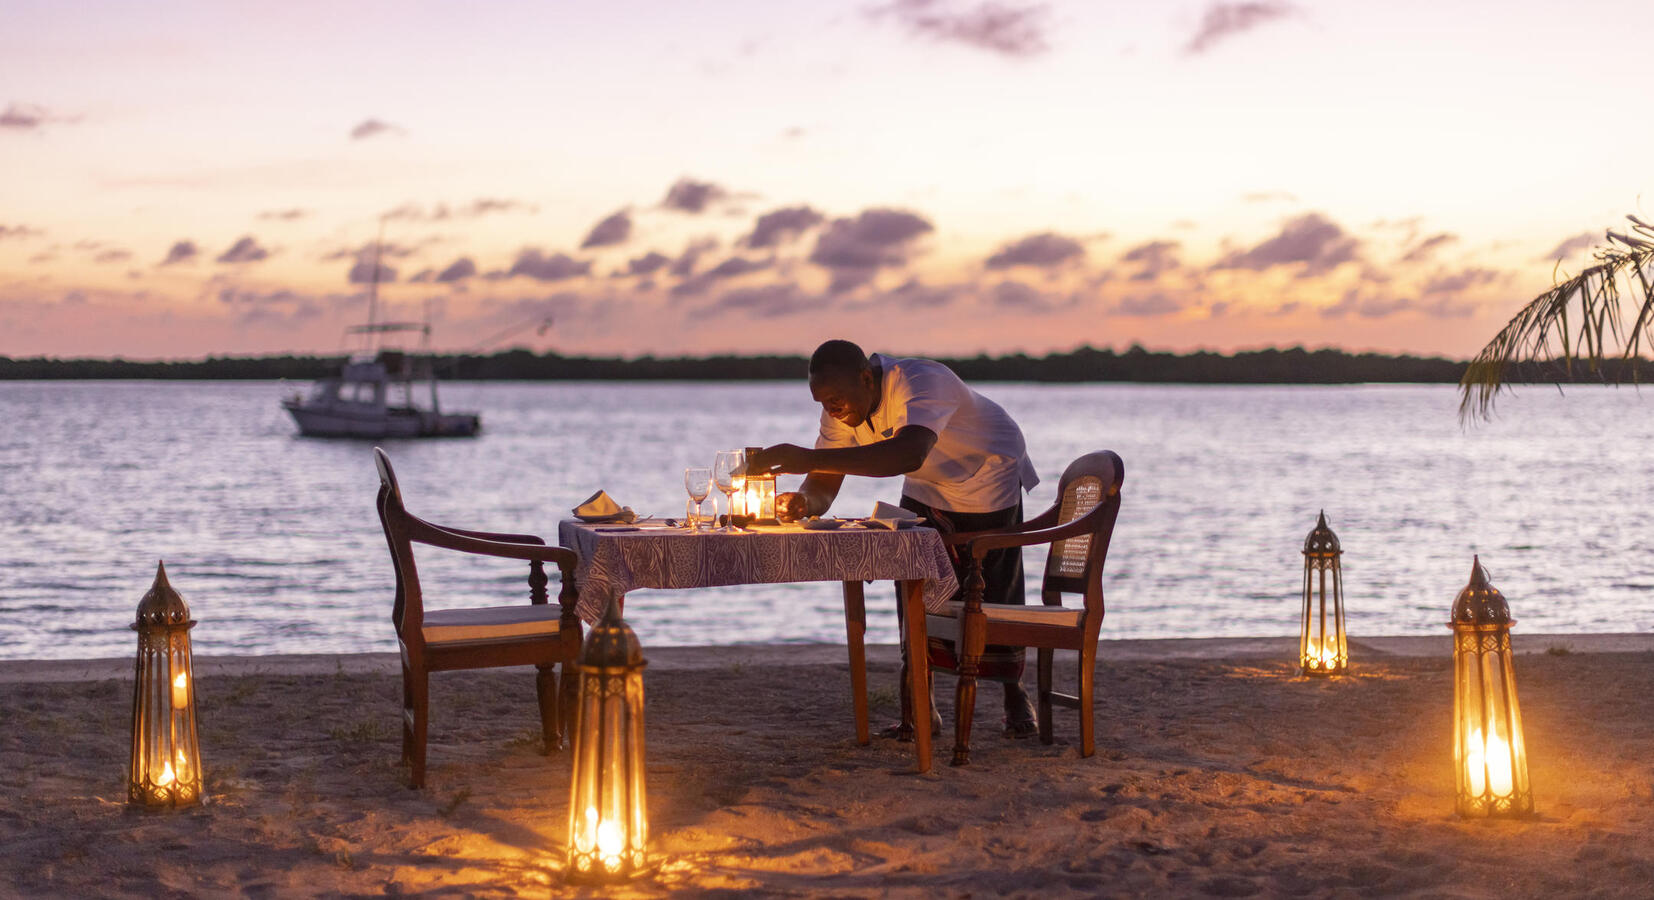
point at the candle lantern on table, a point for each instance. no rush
(1489, 755)
(608, 823)
(166, 754)
(1322, 648)
(756, 498)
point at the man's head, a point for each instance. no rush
(842, 381)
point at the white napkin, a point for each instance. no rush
(600, 507)
(887, 516)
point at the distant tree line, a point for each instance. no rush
(1294, 365)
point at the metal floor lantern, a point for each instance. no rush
(1322, 648)
(1489, 754)
(608, 824)
(166, 754)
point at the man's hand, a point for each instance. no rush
(791, 506)
(782, 459)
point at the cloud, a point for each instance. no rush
(1366, 305)
(364, 271)
(690, 196)
(768, 301)
(914, 295)
(1039, 250)
(1155, 258)
(854, 249)
(613, 230)
(1444, 283)
(1426, 248)
(1156, 303)
(1571, 246)
(734, 267)
(647, 264)
(1226, 20)
(442, 212)
(684, 265)
(781, 225)
(368, 128)
(112, 255)
(1015, 295)
(29, 116)
(459, 270)
(1312, 240)
(1016, 30)
(531, 263)
(1270, 197)
(283, 215)
(245, 250)
(8, 232)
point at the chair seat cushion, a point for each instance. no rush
(489, 623)
(1035, 614)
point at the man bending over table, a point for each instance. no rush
(964, 458)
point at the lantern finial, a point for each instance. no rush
(1480, 603)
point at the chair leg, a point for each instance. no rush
(1088, 670)
(420, 691)
(545, 690)
(1046, 734)
(968, 649)
(964, 708)
(407, 716)
(569, 684)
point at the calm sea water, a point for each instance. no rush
(273, 539)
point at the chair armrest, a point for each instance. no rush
(1086, 524)
(426, 533)
(492, 535)
(1043, 520)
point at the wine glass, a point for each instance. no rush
(729, 470)
(698, 481)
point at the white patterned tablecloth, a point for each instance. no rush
(614, 561)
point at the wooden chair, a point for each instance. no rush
(1078, 528)
(536, 634)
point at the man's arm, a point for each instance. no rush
(898, 455)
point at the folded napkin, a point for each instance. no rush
(600, 507)
(891, 517)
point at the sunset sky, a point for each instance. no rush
(180, 179)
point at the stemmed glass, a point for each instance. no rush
(729, 470)
(698, 481)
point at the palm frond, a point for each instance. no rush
(1543, 341)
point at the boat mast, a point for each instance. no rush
(373, 287)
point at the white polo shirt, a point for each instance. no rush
(980, 462)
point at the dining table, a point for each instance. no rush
(619, 557)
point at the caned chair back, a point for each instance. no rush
(1075, 564)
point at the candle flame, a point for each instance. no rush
(609, 841)
(1488, 763)
(180, 691)
(1326, 653)
(167, 778)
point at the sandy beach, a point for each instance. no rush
(1219, 772)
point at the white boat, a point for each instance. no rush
(373, 396)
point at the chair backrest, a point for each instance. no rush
(408, 613)
(1075, 564)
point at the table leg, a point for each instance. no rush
(855, 627)
(918, 668)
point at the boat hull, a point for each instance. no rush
(380, 423)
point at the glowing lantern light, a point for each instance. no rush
(166, 754)
(608, 823)
(1488, 751)
(1322, 648)
(755, 499)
